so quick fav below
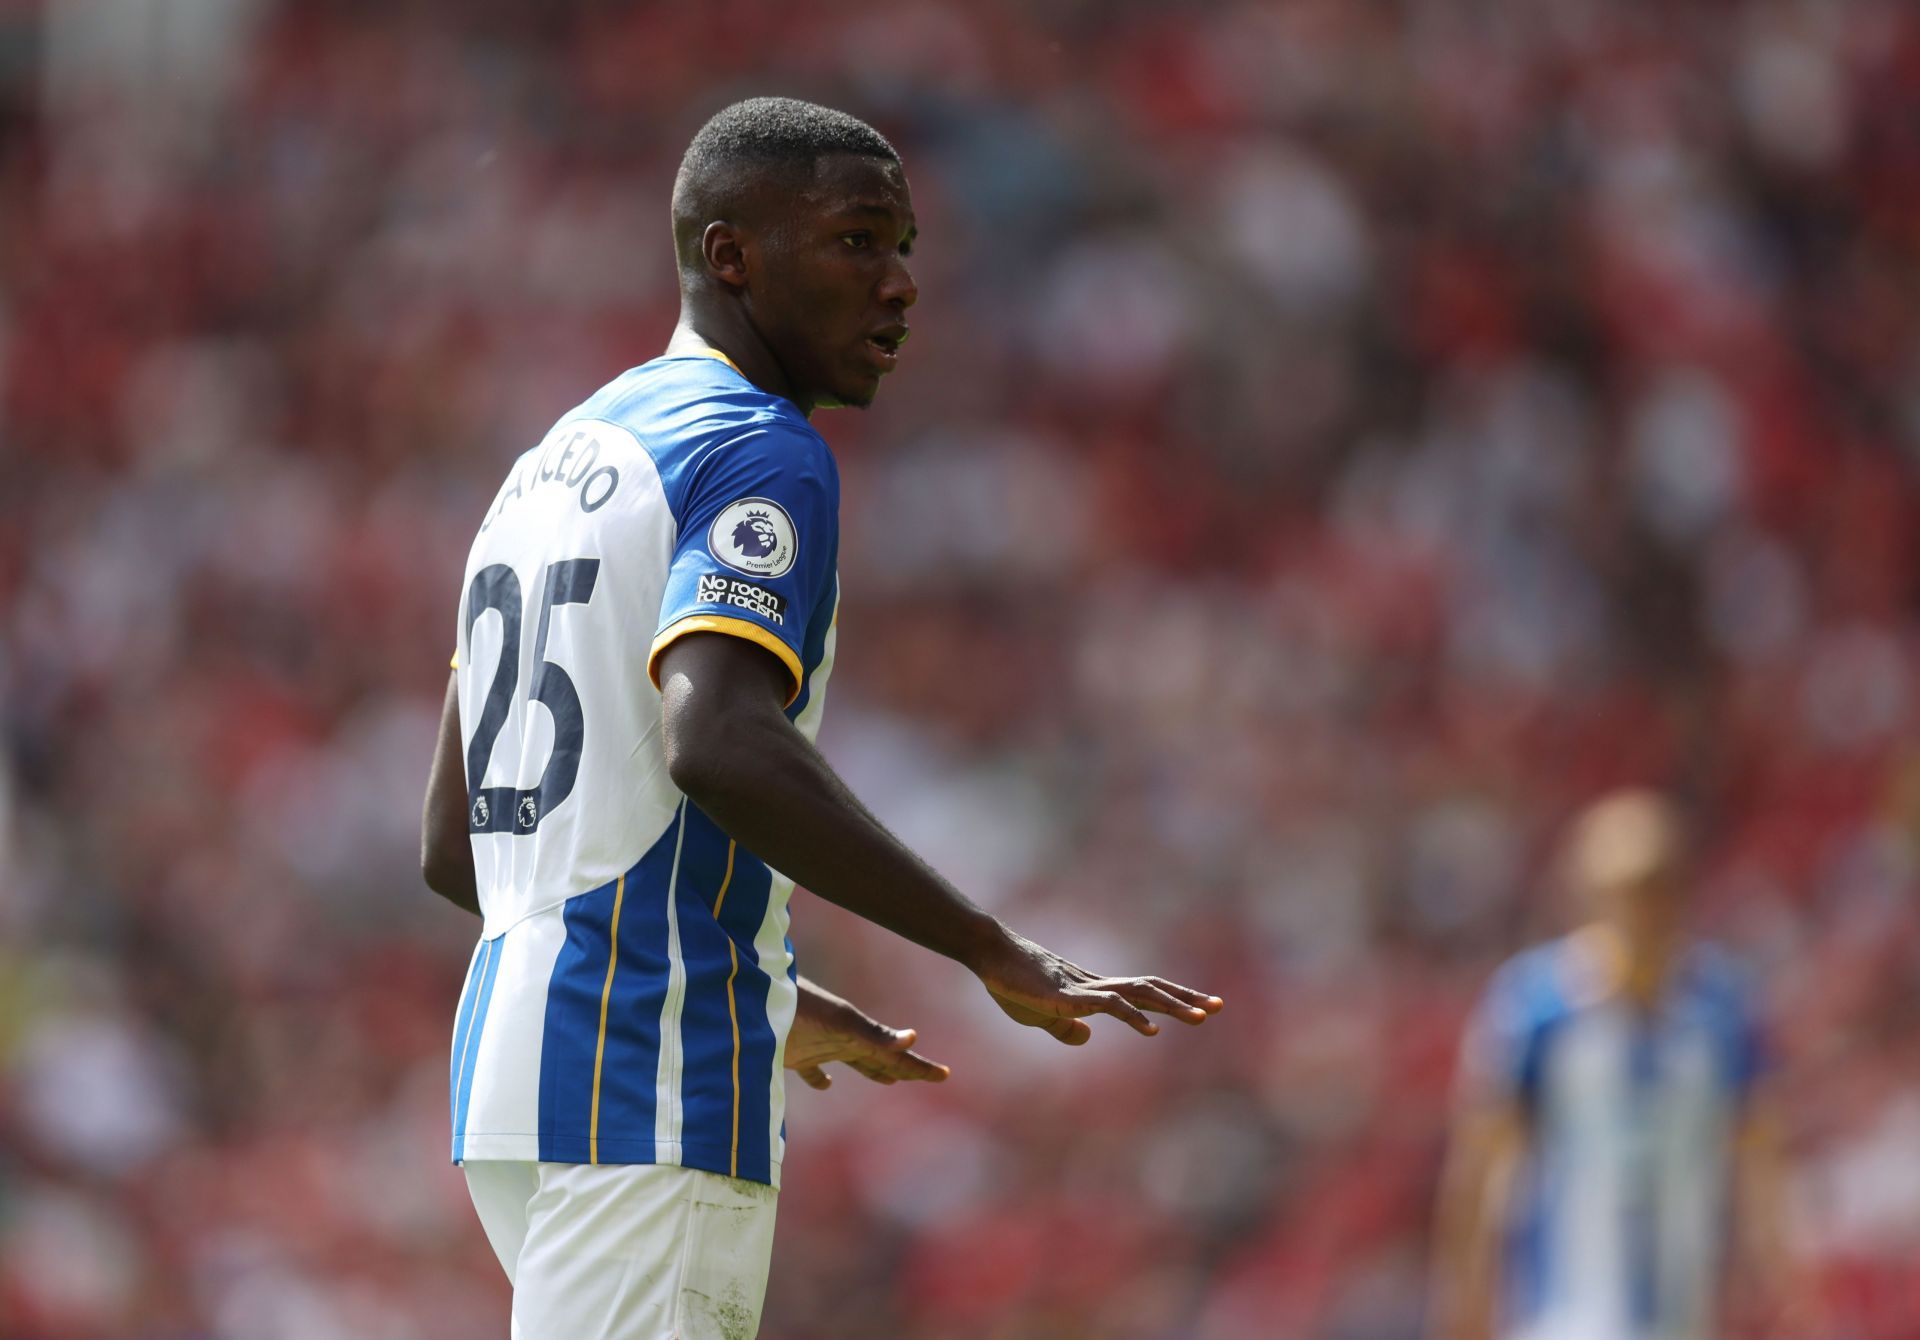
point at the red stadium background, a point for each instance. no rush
(1337, 440)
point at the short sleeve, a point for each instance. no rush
(1492, 1056)
(1500, 1058)
(1744, 1034)
(1750, 1060)
(757, 546)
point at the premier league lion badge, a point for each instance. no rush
(756, 536)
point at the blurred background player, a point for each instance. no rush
(1610, 1146)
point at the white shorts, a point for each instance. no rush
(627, 1251)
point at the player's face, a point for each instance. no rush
(834, 306)
(1649, 905)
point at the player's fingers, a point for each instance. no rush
(1117, 1005)
(1150, 997)
(900, 1065)
(873, 1072)
(912, 1065)
(862, 1029)
(1073, 1032)
(1211, 1004)
(898, 1039)
(815, 1077)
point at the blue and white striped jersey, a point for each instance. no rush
(1620, 1215)
(631, 993)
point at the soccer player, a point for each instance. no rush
(1609, 1123)
(626, 787)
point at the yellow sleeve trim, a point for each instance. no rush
(454, 664)
(720, 623)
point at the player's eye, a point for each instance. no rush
(858, 241)
(906, 248)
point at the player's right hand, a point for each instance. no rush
(827, 1029)
(1034, 986)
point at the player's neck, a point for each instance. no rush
(725, 332)
(1631, 968)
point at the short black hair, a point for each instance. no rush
(740, 143)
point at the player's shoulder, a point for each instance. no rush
(1715, 978)
(1536, 985)
(684, 407)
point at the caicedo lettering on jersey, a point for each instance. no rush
(717, 590)
(564, 461)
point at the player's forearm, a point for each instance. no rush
(446, 853)
(774, 793)
(1462, 1285)
(449, 876)
(1767, 1263)
(1474, 1189)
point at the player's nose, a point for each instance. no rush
(898, 290)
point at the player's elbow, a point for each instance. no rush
(446, 868)
(717, 758)
(452, 879)
(697, 765)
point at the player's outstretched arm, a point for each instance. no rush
(446, 853)
(732, 751)
(1485, 1147)
(827, 1029)
(1768, 1270)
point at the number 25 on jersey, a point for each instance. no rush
(508, 809)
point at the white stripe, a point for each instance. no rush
(504, 1113)
(770, 949)
(1588, 1092)
(666, 1083)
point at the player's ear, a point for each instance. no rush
(723, 249)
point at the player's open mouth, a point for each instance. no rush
(886, 346)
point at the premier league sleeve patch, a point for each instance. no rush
(737, 563)
(754, 536)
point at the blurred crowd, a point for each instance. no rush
(1339, 437)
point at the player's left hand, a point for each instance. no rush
(828, 1029)
(1034, 986)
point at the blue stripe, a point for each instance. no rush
(470, 1049)
(630, 1059)
(709, 947)
(571, 1032)
(1713, 993)
(456, 1057)
(1533, 1002)
(757, 1042)
(1536, 1283)
(1528, 1010)
(632, 1068)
